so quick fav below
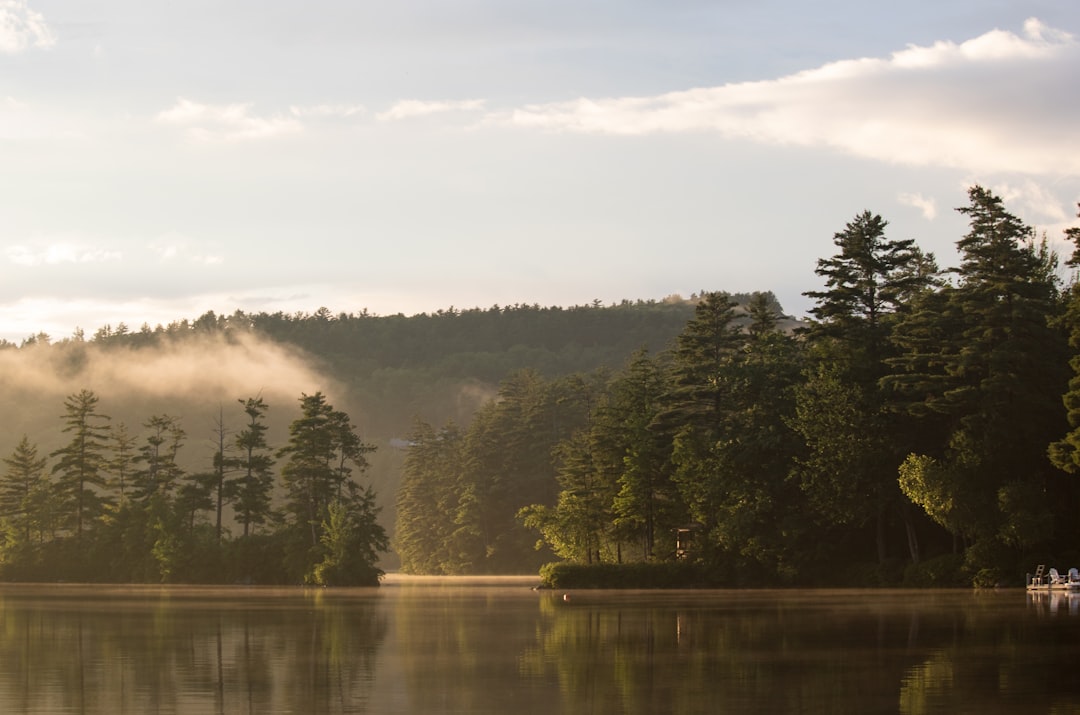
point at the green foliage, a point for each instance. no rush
(144, 519)
(1065, 452)
(908, 412)
(324, 502)
(983, 364)
(25, 493)
(81, 462)
(349, 547)
(160, 469)
(427, 534)
(941, 492)
(250, 491)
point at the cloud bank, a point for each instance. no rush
(227, 122)
(998, 102)
(409, 108)
(22, 28)
(196, 369)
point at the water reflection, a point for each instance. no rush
(813, 652)
(80, 650)
(1055, 601)
(427, 646)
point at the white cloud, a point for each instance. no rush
(228, 122)
(928, 207)
(328, 111)
(22, 28)
(1032, 202)
(993, 103)
(409, 108)
(57, 253)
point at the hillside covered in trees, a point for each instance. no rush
(921, 428)
(177, 400)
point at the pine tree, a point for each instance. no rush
(308, 473)
(425, 537)
(854, 439)
(866, 283)
(704, 351)
(701, 404)
(160, 472)
(121, 462)
(984, 361)
(322, 451)
(1065, 453)
(22, 488)
(81, 464)
(250, 491)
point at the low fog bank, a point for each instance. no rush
(197, 379)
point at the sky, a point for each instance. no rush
(162, 159)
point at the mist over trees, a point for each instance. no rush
(919, 428)
(175, 416)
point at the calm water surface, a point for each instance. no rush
(451, 646)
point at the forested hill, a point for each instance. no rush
(443, 365)
(210, 429)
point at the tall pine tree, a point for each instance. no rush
(81, 463)
(984, 362)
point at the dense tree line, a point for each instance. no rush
(912, 431)
(111, 505)
(400, 366)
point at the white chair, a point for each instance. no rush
(1055, 577)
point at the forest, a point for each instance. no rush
(118, 508)
(231, 479)
(920, 428)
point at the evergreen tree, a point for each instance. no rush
(985, 358)
(509, 465)
(633, 447)
(122, 460)
(759, 519)
(425, 537)
(1065, 453)
(81, 463)
(854, 438)
(23, 489)
(704, 351)
(309, 472)
(322, 450)
(866, 283)
(222, 465)
(250, 491)
(577, 527)
(704, 380)
(160, 471)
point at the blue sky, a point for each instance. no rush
(165, 159)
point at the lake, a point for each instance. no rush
(430, 646)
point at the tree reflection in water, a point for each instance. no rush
(186, 650)
(906, 652)
(451, 647)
